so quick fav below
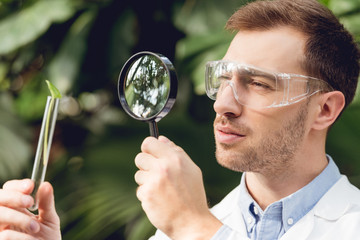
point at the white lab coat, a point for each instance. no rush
(335, 217)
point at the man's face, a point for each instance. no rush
(264, 140)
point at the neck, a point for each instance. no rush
(267, 188)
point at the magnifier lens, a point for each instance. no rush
(147, 87)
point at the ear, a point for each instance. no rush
(330, 106)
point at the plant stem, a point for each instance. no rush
(46, 137)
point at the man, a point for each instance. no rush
(271, 123)
(286, 77)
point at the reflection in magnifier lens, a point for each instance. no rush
(147, 86)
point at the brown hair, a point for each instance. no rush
(330, 51)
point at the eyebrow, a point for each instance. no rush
(256, 72)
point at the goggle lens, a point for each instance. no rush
(256, 88)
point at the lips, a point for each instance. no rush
(227, 135)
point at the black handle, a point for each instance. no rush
(154, 131)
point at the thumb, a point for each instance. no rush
(47, 211)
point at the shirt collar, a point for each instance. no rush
(296, 205)
(246, 205)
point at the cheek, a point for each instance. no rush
(261, 123)
(265, 126)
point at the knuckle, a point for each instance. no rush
(163, 174)
(178, 158)
(178, 148)
(178, 161)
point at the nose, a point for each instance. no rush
(226, 103)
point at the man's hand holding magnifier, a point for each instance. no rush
(171, 191)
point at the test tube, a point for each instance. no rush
(43, 147)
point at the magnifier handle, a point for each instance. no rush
(154, 131)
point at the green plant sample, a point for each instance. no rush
(55, 93)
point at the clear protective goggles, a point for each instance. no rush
(257, 88)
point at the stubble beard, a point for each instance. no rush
(273, 153)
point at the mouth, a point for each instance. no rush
(227, 135)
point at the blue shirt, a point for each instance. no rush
(280, 216)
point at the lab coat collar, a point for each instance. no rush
(334, 205)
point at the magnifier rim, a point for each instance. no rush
(173, 86)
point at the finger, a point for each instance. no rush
(144, 161)
(14, 235)
(139, 193)
(141, 177)
(170, 143)
(164, 139)
(18, 220)
(145, 195)
(47, 211)
(14, 199)
(24, 186)
(155, 147)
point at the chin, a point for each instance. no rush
(240, 159)
(230, 161)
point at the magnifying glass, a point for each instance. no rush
(147, 88)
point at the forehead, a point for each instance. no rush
(279, 50)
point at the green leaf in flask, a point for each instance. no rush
(55, 93)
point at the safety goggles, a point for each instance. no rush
(257, 88)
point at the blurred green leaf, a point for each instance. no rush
(122, 41)
(31, 102)
(15, 150)
(28, 24)
(344, 7)
(201, 17)
(343, 141)
(142, 227)
(109, 201)
(3, 69)
(325, 2)
(65, 66)
(196, 50)
(14, 153)
(352, 23)
(4, 82)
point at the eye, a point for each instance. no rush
(259, 84)
(224, 77)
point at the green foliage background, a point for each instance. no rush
(80, 46)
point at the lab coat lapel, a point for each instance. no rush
(331, 207)
(336, 201)
(229, 213)
(302, 229)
